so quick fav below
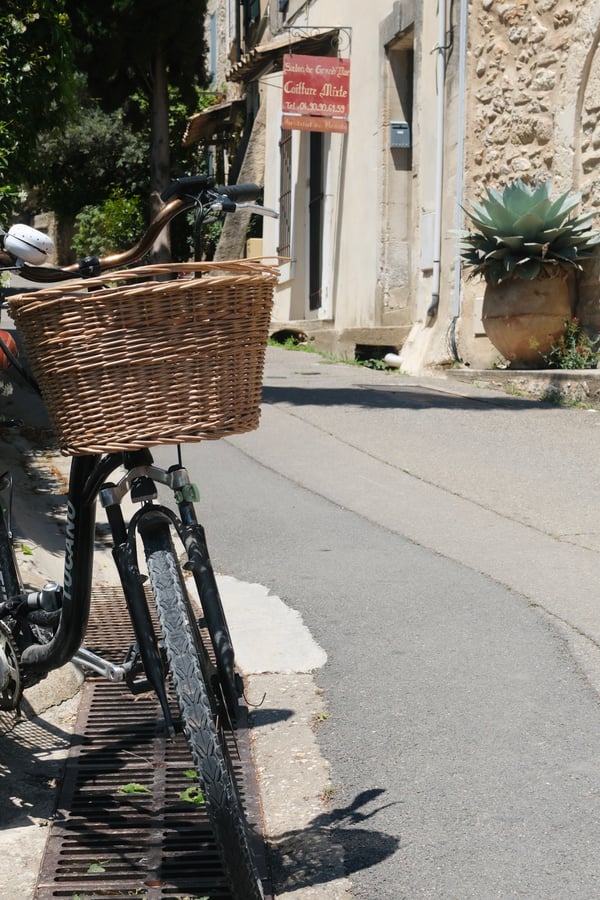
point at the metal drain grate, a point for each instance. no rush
(151, 844)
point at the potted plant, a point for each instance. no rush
(525, 245)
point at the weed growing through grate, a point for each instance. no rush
(193, 794)
(98, 867)
(134, 788)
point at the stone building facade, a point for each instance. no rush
(533, 112)
(486, 91)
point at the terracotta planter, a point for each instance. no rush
(523, 319)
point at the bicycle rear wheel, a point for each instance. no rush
(182, 642)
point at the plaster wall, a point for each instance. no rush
(379, 200)
(222, 13)
(353, 162)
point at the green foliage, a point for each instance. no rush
(11, 196)
(193, 795)
(136, 59)
(36, 83)
(133, 787)
(136, 115)
(375, 364)
(574, 349)
(114, 225)
(521, 232)
(97, 868)
(80, 164)
(122, 43)
(137, 54)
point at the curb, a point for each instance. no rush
(552, 385)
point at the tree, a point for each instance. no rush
(36, 82)
(80, 164)
(133, 49)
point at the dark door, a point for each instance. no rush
(315, 219)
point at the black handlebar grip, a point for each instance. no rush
(241, 193)
(187, 184)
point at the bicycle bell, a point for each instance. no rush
(28, 244)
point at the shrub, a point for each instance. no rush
(115, 225)
(574, 349)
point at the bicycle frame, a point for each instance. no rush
(88, 484)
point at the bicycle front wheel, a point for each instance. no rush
(182, 642)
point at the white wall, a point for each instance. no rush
(373, 277)
(352, 210)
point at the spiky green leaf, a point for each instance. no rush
(522, 231)
(528, 268)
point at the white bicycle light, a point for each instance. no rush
(28, 244)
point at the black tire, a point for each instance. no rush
(181, 641)
(9, 576)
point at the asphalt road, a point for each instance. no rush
(441, 544)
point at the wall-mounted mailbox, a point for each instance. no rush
(399, 135)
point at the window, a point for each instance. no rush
(285, 193)
(252, 10)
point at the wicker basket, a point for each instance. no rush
(125, 362)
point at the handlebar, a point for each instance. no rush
(199, 191)
(192, 185)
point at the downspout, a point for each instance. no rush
(460, 160)
(439, 159)
(238, 31)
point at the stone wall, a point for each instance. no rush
(518, 82)
(533, 111)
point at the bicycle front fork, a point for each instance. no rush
(132, 582)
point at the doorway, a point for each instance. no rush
(316, 199)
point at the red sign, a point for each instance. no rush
(315, 123)
(316, 86)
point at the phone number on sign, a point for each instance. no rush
(323, 109)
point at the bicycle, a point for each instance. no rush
(42, 630)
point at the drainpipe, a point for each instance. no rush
(238, 31)
(460, 157)
(439, 159)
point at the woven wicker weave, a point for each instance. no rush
(126, 362)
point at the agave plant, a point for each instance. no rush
(520, 232)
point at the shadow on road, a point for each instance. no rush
(31, 751)
(393, 397)
(334, 845)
